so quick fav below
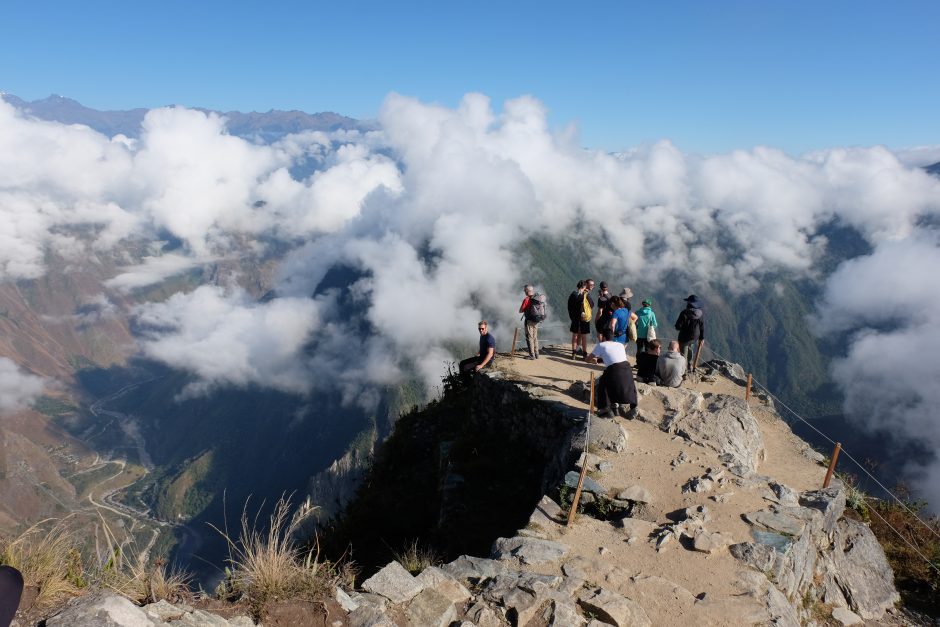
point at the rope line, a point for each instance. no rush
(906, 541)
(844, 452)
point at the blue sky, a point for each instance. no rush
(710, 76)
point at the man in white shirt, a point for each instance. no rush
(615, 389)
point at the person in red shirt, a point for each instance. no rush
(531, 325)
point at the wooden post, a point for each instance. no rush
(698, 353)
(515, 336)
(832, 464)
(584, 463)
(591, 406)
(747, 391)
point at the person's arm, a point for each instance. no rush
(486, 360)
(633, 317)
(525, 303)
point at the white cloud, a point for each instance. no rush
(890, 302)
(225, 338)
(152, 270)
(17, 388)
(428, 214)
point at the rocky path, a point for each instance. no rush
(703, 510)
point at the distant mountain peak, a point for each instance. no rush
(270, 125)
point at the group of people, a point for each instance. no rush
(617, 325)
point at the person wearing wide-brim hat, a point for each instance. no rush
(691, 328)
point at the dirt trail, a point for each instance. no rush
(676, 574)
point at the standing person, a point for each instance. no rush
(575, 307)
(691, 327)
(533, 311)
(619, 320)
(581, 312)
(485, 356)
(645, 325)
(671, 367)
(602, 319)
(616, 389)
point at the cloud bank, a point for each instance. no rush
(17, 388)
(428, 214)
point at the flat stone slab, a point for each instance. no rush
(571, 480)
(394, 583)
(615, 609)
(636, 493)
(711, 542)
(608, 435)
(784, 523)
(530, 551)
(467, 568)
(637, 528)
(102, 610)
(431, 609)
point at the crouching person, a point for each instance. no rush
(483, 358)
(670, 368)
(616, 391)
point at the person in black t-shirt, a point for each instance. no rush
(646, 362)
(485, 356)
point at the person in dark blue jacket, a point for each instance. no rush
(691, 328)
(485, 356)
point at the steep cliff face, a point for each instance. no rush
(705, 509)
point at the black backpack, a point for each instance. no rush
(535, 312)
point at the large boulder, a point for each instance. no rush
(861, 570)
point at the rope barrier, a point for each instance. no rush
(844, 452)
(906, 541)
(778, 401)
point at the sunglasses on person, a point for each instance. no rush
(481, 328)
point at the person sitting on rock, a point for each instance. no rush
(646, 362)
(615, 390)
(670, 367)
(483, 358)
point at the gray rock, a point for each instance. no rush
(546, 514)
(590, 485)
(846, 616)
(444, 583)
(565, 615)
(637, 528)
(782, 612)
(345, 601)
(831, 502)
(431, 609)
(709, 542)
(530, 551)
(469, 569)
(587, 498)
(636, 493)
(719, 422)
(784, 523)
(369, 616)
(730, 370)
(199, 618)
(697, 485)
(164, 611)
(394, 583)
(783, 494)
(609, 435)
(103, 609)
(484, 616)
(605, 466)
(615, 609)
(592, 460)
(586, 569)
(758, 556)
(862, 571)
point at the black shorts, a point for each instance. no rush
(581, 326)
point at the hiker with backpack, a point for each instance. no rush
(645, 325)
(691, 328)
(533, 312)
(580, 312)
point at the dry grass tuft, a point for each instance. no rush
(267, 566)
(129, 574)
(48, 557)
(415, 559)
